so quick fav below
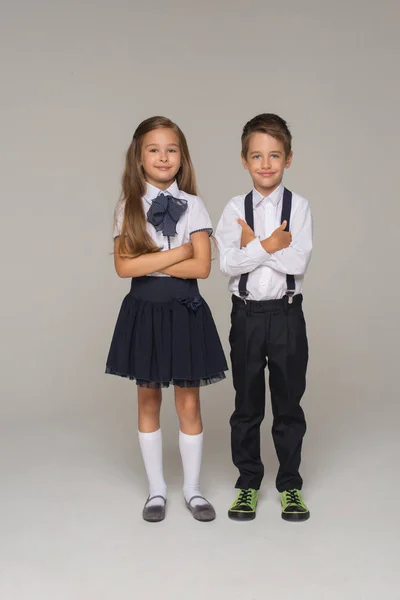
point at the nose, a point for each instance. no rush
(163, 156)
(265, 163)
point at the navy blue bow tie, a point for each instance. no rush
(164, 213)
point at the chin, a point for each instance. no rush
(166, 176)
(266, 185)
(163, 179)
(274, 181)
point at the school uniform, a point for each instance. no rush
(165, 332)
(267, 328)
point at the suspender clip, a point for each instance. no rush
(243, 296)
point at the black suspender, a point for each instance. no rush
(249, 216)
(286, 210)
(285, 216)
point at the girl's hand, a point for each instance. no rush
(197, 262)
(247, 233)
(187, 250)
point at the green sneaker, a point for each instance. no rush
(244, 507)
(293, 506)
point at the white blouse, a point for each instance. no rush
(195, 218)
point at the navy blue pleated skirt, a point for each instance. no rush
(165, 333)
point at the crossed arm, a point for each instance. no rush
(242, 252)
(189, 261)
(199, 265)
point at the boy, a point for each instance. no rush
(266, 264)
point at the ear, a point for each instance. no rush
(289, 160)
(244, 162)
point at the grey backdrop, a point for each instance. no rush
(77, 78)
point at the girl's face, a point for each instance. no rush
(161, 157)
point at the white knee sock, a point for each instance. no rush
(151, 447)
(191, 447)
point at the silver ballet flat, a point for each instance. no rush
(203, 512)
(156, 513)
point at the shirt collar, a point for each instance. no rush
(153, 191)
(275, 197)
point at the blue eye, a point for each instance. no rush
(257, 156)
(274, 156)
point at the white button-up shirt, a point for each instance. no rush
(195, 218)
(267, 272)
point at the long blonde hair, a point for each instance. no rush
(134, 239)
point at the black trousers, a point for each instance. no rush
(270, 332)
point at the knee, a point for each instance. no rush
(188, 408)
(149, 403)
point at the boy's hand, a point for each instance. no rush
(247, 233)
(279, 240)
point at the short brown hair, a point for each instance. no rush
(270, 124)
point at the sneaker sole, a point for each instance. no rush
(295, 517)
(241, 516)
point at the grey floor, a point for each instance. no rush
(73, 489)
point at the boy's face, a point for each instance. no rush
(266, 162)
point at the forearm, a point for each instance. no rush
(291, 261)
(235, 261)
(197, 267)
(193, 268)
(148, 263)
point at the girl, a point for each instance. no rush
(165, 332)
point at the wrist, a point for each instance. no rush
(247, 242)
(267, 245)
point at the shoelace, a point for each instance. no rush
(244, 498)
(292, 497)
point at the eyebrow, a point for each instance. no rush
(271, 152)
(155, 144)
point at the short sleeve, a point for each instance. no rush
(118, 218)
(199, 219)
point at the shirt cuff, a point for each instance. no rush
(209, 229)
(256, 252)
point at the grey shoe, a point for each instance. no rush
(203, 512)
(156, 513)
